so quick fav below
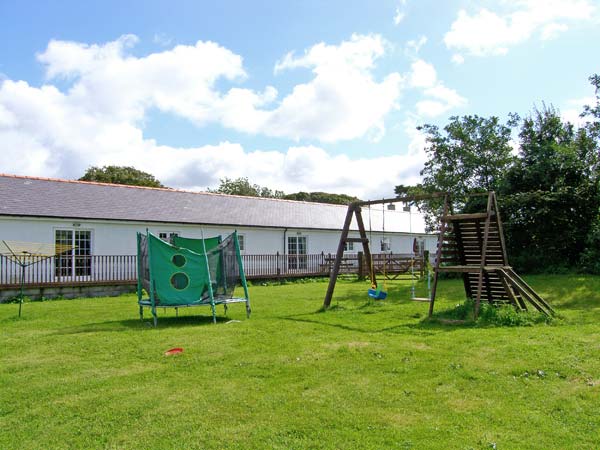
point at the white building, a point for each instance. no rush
(102, 219)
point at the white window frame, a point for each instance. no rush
(297, 261)
(72, 275)
(242, 241)
(421, 246)
(385, 244)
(168, 234)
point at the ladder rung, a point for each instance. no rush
(465, 216)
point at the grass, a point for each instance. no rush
(88, 374)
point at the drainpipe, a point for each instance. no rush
(284, 253)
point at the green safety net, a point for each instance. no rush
(196, 245)
(181, 276)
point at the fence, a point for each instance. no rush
(122, 269)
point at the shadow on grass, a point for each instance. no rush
(442, 321)
(581, 297)
(121, 325)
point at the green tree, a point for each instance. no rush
(241, 186)
(549, 198)
(471, 153)
(322, 197)
(120, 175)
(590, 138)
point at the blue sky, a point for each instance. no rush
(294, 95)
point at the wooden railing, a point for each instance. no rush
(121, 269)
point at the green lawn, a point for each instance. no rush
(88, 374)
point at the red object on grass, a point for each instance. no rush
(174, 351)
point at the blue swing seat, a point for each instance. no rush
(377, 294)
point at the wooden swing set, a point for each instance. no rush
(470, 244)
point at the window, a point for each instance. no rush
(242, 242)
(297, 252)
(78, 261)
(385, 245)
(167, 235)
(419, 246)
(348, 246)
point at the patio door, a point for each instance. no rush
(297, 259)
(77, 263)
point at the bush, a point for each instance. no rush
(590, 260)
(496, 315)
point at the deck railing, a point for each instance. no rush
(118, 269)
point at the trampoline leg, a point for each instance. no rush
(141, 312)
(20, 304)
(176, 312)
(225, 308)
(214, 312)
(155, 316)
(248, 310)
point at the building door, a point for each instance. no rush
(297, 259)
(77, 263)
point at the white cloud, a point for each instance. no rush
(106, 80)
(98, 119)
(330, 107)
(343, 100)
(399, 17)
(458, 59)
(413, 47)
(492, 33)
(574, 107)
(438, 98)
(162, 39)
(400, 13)
(552, 30)
(422, 74)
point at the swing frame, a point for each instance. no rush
(355, 212)
(485, 270)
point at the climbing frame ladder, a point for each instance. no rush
(473, 245)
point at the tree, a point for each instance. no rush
(549, 194)
(471, 153)
(549, 198)
(241, 186)
(322, 197)
(590, 138)
(120, 175)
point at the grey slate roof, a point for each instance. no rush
(43, 197)
(26, 196)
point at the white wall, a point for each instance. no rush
(118, 238)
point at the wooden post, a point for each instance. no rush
(438, 255)
(361, 268)
(338, 257)
(500, 230)
(486, 232)
(365, 243)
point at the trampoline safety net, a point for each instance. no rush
(182, 276)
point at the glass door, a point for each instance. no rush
(297, 248)
(77, 263)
